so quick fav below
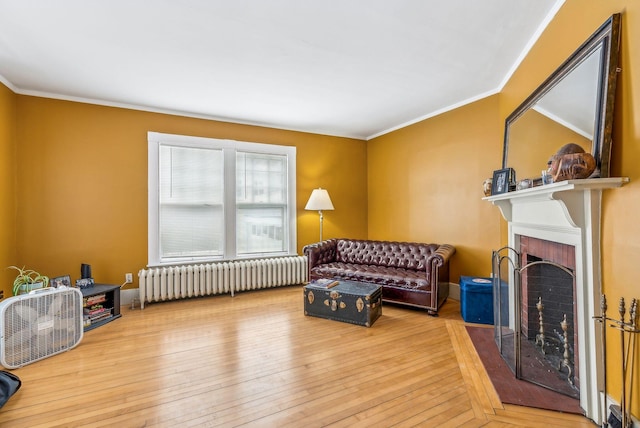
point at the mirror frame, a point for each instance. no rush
(606, 37)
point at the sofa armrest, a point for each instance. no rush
(438, 274)
(438, 263)
(442, 255)
(320, 253)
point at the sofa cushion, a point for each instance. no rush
(400, 277)
(411, 256)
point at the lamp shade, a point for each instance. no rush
(319, 200)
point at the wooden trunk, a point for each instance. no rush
(348, 301)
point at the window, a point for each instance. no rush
(219, 199)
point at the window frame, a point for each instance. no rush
(229, 148)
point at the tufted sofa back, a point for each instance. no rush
(407, 255)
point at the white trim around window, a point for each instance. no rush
(258, 221)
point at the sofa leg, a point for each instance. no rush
(432, 313)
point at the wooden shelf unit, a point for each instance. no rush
(111, 301)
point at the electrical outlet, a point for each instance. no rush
(128, 278)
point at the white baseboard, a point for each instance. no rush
(127, 296)
(454, 291)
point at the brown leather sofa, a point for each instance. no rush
(410, 273)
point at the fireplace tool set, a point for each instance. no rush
(628, 330)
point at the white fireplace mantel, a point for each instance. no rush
(569, 212)
(567, 193)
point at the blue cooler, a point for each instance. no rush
(476, 299)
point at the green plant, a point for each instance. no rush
(26, 278)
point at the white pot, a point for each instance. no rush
(26, 288)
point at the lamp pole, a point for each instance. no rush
(321, 218)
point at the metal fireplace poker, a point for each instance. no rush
(620, 417)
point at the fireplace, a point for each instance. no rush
(548, 326)
(555, 225)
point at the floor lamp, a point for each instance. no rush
(319, 201)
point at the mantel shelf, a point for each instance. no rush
(563, 186)
(569, 195)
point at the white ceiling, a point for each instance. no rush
(354, 68)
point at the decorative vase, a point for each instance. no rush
(486, 186)
(525, 183)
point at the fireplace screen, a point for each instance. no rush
(534, 322)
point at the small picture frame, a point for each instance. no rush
(84, 282)
(60, 280)
(502, 179)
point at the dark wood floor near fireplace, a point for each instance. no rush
(510, 389)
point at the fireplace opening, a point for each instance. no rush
(548, 330)
(536, 325)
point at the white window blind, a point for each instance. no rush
(261, 202)
(215, 199)
(191, 217)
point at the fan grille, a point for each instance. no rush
(37, 326)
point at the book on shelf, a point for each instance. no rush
(101, 317)
(104, 313)
(92, 300)
(93, 309)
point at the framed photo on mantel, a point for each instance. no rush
(502, 179)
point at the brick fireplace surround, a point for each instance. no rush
(568, 213)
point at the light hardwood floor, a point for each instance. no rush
(256, 360)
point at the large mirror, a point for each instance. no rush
(574, 105)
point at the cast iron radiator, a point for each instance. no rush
(184, 281)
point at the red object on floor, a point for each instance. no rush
(512, 390)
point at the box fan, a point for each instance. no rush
(40, 324)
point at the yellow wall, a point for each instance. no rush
(7, 188)
(620, 246)
(424, 180)
(425, 184)
(83, 185)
